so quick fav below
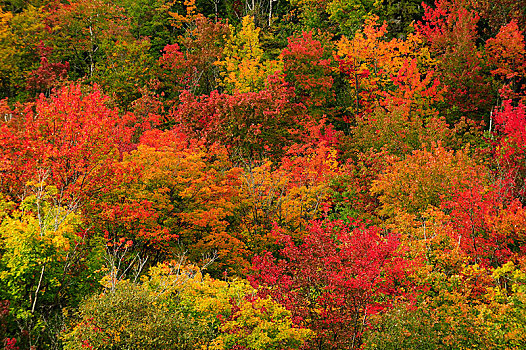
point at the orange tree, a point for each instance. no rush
(173, 191)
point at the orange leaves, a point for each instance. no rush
(179, 187)
(423, 179)
(240, 142)
(415, 91)
(178, 190)
(393, 90)
(506, 53)
(510, 223)
(190, 15)
(289, 194)
(371, 61)
(121, 243)
(444, 202)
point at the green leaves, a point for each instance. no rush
(176, 307)
(40, 254)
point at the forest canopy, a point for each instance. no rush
(264, 174)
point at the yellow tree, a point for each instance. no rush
(176, 307)
(244, 68)
(44, 265)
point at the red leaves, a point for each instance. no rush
(48, 74)
(173, 61)
(10, 344)
(510, 147)
(250, 123)
(69, 141)
(511, 122)
(193, 65)
(448, 23)
(335, 278)
(451, 31)
(506, 53)
(307, 67)
(486, 226)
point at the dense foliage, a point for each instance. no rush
(263, 174)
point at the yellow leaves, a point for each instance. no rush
(107, 281)
(262, 324)
(246, 42)
(244, 69)
(516, 274)
(503, 311)
(216, 344)
(5, 18)
(20, 33)
(60, 241)
(7, 40)
(37, 243)
(503, 270)
(170, 277)
(174, 299)
(29, 232)
(211, 297)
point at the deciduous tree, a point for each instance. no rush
(334, 279)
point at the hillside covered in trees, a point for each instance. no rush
(267, 174)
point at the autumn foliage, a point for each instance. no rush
(69, 141)
(334, 279)
(262, 174)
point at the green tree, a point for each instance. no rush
(44, 266)
(176, 307)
